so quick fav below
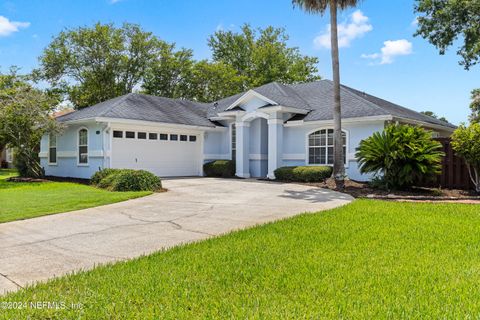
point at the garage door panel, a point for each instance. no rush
(163, 158)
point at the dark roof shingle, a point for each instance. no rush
(147, 108)
(315, 97)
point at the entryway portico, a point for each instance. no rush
(257, 125)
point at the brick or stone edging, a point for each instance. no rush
(424, 198)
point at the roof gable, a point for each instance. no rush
(248, 96)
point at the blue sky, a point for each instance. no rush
(409, 71)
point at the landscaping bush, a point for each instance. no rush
(466, 143)
(303, 173)
(400, 156)
(126, 180)
(101, 174)
(220, 168)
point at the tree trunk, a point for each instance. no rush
(474, 176)
(338, 164)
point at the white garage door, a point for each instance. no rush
(164, 154)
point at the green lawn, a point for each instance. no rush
(28, 200)
(370, 259)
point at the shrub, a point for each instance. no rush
(220, 168)
(101, 174)
(303, 173)
(400, 156)
(126, 180)
(466, 143)
(135, 180)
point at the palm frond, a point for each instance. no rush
(320, 6)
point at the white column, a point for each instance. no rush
(243, 149)
(275, 145)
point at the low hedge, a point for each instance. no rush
(303, 173)
(220, 168)
(126, 180)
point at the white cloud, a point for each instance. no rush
(354, 28)
(390, 50)
(8, 27)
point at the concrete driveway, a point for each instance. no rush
(193, 209)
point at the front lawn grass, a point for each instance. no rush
(370, 259)
(22, 200)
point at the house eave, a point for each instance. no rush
(229, 114)
(143, 123)
(284, 109)
(424, 124)
(344, 120)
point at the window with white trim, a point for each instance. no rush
(52, 149)
(83, 146)
(234, 141)
(320, 147)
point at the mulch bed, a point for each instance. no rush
(67, 179)
(47, 179)
(416, 194)
(22, 179)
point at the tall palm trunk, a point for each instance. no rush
(338, 165)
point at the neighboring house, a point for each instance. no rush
(6, 158)
(265, 128)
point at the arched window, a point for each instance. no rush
(320, 147)
(83, 146)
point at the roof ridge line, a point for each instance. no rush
(123, 98)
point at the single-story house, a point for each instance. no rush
(263, 129)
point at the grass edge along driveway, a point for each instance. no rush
(21, 200)
(368, 259)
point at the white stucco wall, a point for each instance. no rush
(295, 144)
(216, 145)
(67, 153)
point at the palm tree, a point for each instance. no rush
(320, 6)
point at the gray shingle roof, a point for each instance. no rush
(316, 97)
(147, 108)
(397, 110)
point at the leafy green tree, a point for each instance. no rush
(475, 106)
(400, 155)
(466, 143)
(169, 74)
(262, 56)
(94, 64)
(25, 116)
(320, 7)
(445, 22)
(213, 81)
(433, 115)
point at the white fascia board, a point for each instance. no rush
(115, 121)
(424, 124)
(284, 109)
(346, 120)
(80, 121)
(222, 118)
(231, 113)
(249, 94)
